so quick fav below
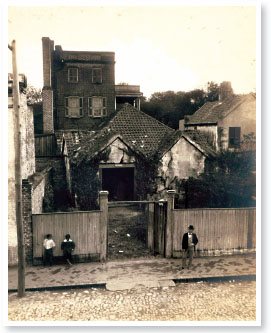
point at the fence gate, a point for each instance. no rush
(136, 229)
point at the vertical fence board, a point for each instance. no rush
(82, 226)
(217, 229)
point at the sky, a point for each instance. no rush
(159, 47)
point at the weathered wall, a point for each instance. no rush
(181, 161)
(118, 153)
(211, 130)
(38, 195)
(243, 116)
(33, 192)
(27, 165)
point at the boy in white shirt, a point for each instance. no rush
(48, 245)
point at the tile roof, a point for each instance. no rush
(201, 141)
(139, 131)
(212, 112)
(143, 134)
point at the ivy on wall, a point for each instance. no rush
(146, 175)
(85, 180)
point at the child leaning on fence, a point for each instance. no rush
(68, 246)
(48, 245)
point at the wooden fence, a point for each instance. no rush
(87, 229)
(217, 229)
(45, 145)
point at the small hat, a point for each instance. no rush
(191, 227)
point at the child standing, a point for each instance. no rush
(67, 246)
(48, 245)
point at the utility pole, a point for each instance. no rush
(18, 174)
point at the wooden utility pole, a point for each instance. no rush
(18, 174)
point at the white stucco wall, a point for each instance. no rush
(37, 196)
(181, 161)
(118, 153)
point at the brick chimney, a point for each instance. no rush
(225, 90)
(47, 92)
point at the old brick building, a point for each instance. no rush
(79, 88)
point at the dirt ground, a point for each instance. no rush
(127, 233)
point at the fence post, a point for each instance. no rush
(150, 231)
(169, 224)
(103, 197)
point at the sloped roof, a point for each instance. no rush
(73, 139)
(196, 138)
(212, 112)
(140, 132)
(201, 141)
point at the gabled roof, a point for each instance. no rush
(140, 132)
(212, 112)
(196, 138)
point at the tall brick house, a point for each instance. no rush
(79, 89)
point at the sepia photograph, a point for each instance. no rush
(132, 130)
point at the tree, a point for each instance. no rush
(229, 181)
(212, 91)
(33, 95)
(169, 106)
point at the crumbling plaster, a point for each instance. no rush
(183, 160)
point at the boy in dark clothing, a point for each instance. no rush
(190, 240)
(67, 246)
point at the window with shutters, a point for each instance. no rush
(234, 137)
(97, 75)
(97, 106)
(73, 75)
(74, 107)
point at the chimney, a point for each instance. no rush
(47, 92)
(225, 90)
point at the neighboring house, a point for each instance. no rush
(226, 121)
(79, 88)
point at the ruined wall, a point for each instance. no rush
(33, 191)
(27, 165)
(181, 161)
(38, 195)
